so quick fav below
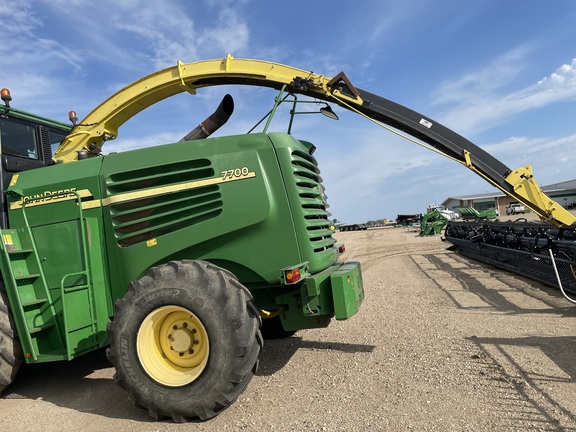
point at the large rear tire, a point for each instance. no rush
(10, 349)
(185, 340)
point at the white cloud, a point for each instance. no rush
(552, 156)
(223, 3)
(122, 145)
(22, 45)
(231, 34)
(479, 102)
(169, 32)
(480, 85)
(34, 68)
(560, 85)
(362, 174)
(17, 18)
(164, 27)
(83, 50)
(151, 33)
(390, 15)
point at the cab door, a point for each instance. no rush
(24, 145)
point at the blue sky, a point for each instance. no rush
(501, 73)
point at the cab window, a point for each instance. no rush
(18, 139)
(56, 137)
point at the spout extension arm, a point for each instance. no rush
(529, 193)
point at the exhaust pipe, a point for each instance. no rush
(212, 123)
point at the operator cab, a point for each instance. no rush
(26, 142)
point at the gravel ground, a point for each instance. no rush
(441, 343)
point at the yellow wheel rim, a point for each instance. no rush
(270, 313)
(172, 346)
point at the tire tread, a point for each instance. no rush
(241, 316)
(11, 355)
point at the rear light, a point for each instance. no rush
(297, 273)
(292, 275)
(341, 248)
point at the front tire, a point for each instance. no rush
(10, 349)
(185, 340)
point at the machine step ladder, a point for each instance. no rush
(55, 323)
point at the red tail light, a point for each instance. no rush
(292, 275)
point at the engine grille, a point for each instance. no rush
(313, 202)
(143, 210)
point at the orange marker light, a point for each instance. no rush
(73, 117)
(6, 96)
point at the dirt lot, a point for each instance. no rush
(441, 343)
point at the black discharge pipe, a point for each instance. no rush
(212, 123)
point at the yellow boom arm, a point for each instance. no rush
(103, 122)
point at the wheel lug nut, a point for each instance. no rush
(196, 342)
(185, 324)
(194, 330)
(181, 354)
(175, 327)
(190, 351)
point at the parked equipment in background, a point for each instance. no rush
(409, 219)
(433, 223)
(352, 227)
(469, 213)
(450, 215)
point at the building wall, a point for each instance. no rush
(565, 195)
(566, 200)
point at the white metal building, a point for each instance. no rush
(564, 193)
